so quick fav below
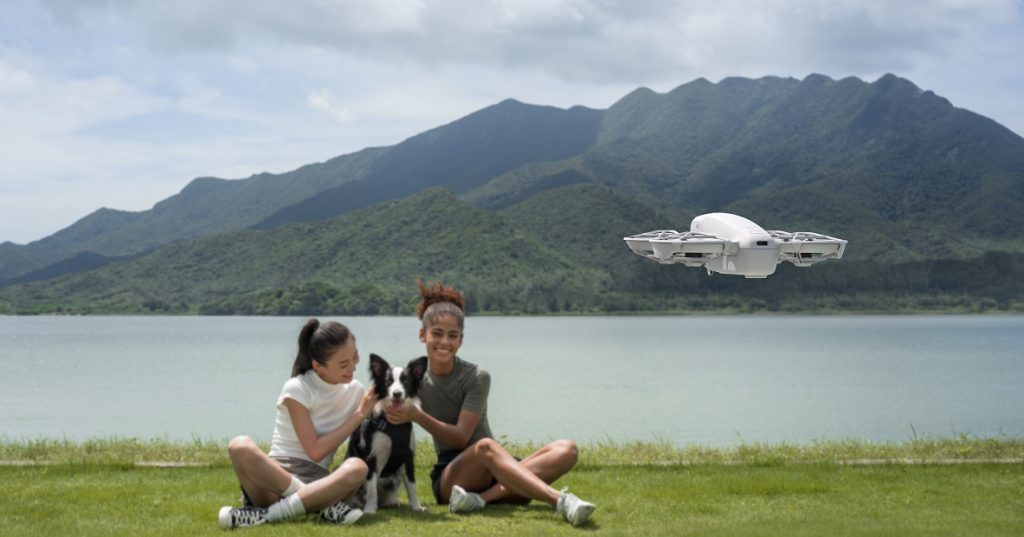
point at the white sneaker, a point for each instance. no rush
(573, 509)
(240, 517)
(341, 513)
(464, 502)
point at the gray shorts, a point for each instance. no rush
(306, 471)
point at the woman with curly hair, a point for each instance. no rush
(473, 469)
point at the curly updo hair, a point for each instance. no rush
(439, 301)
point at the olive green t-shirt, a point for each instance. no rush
(465, 388)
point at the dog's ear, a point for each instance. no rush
(378, 366)
(417, 367)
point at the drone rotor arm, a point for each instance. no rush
(805, 248)
(688, 248)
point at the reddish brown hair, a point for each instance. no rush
(438, 301)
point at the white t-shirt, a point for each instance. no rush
(329, 406)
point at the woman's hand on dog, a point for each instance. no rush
(403, 414)
(365, 408)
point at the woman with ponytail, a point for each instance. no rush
(318, 409)
(473, 469)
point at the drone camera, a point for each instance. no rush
(730, 244)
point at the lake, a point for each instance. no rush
(708, 380)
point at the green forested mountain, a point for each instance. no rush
(535, 201)
(458, 156)
(559, 251)
(377, 252)
(898, 170)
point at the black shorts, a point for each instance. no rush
(443, 460)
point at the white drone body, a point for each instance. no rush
(730, 244)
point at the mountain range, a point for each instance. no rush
(527, 205)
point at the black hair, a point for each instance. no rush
(317, 342)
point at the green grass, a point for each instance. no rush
(96, 488)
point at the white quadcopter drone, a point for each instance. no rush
(730, 244)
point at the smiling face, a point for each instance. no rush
(443, 337)
(340, 367)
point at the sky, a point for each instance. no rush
(120, 103)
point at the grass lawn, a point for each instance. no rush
(96, 488)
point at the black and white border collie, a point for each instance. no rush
(387, 449)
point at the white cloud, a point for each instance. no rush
(324, 101)
(15, 81)
(594, 40)
(40, 121)
(35, 104)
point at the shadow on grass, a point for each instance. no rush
(435, 515)
(531, 511)
(404, 514)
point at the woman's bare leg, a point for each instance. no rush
(262, 479)
(548, 463)
(342, 482)
(485, 460)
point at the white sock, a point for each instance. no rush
(293, 487)
(285, 508)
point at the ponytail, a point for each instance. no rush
(317, 342)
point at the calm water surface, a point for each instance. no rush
(714, 381)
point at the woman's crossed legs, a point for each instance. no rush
(478, 467)
(265, 480)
